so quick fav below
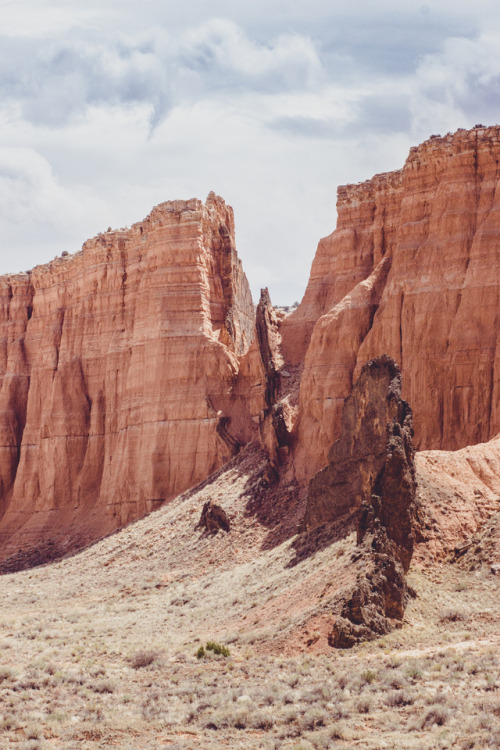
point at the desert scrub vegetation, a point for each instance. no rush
(114, 664)
(217, 649)
(142, 659)
(283, 703)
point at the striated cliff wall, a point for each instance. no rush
(133, 369)
(434, 305)
(113, 366)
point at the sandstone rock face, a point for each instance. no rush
(370, 480)
(435, 312)
(135, 368)
(331, 358)
(114, 364)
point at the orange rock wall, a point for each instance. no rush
(128, 372)
(113, 363)
(438, 316)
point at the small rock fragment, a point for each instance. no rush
(213, 518)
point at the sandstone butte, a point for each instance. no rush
(134, 369)
(413, 271)
(112, 364)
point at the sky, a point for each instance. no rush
(110, 107)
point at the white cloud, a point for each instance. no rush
(54, 81)
(459, 84)
(111, 107)
(29, 192)
(289, 61)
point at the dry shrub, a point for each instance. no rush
(6, 673)
(452, 615)
(399, 698)
(261, 720)
(143, 659)
(104, 686)
(364, 706)
(314, 717)
(436, 714)
(397, 681)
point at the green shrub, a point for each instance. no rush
(218, 648)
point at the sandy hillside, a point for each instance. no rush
(99, 650)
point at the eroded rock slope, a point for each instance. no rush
(369, 483)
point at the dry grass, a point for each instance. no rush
(100, 650)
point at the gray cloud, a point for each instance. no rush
(111, 106)
(460, 83)
(306, 127)
(372, 113)
(57, 81)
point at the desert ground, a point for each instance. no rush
(102, 649)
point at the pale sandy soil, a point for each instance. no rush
(98, 650)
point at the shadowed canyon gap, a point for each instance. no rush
(135, 368)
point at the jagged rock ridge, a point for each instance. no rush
(134, 369)
(370, 482)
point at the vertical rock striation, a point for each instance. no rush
(113, 366)
(435, 310)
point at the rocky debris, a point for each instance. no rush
(483, 549)
(370, 481)
(213, 518)
(379, 596)
(46, 551)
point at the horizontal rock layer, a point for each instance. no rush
(132, 370)
(434, 308)
(113, 365)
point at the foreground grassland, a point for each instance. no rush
(99, 650)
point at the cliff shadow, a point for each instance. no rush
(309, 542)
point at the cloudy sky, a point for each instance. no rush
(108, 107)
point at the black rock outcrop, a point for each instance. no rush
(369, 484)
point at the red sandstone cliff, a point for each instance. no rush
(413, 271)
(113, 363)
(135, 368)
